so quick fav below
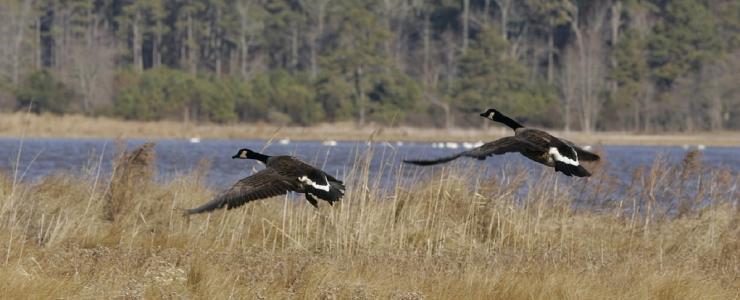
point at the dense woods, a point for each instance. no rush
(636, 65)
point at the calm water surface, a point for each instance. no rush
(41, 157)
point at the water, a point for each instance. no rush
(40, 157)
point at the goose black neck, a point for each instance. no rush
(258, 156)
(507, 121)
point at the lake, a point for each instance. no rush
(40, 157)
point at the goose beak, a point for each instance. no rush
(484, 115)
(235, 156)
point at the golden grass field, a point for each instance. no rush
(450, 234)
(75, 126)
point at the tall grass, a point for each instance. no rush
(451, 234)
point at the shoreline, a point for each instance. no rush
(17, 125)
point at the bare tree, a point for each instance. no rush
(248, 28)
(504, 8)
(137, 42)
(15, 17)
(569, 80)
(89, 68)
(316, 10)
(591, 66)
(466, 26)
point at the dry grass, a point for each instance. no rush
(73, 126)
(449, 235)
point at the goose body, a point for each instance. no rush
(534, 144)
(282, 174)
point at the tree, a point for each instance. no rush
(630, 72)
(682, 41)
(359, 50)
(483, 85)
(44, 93)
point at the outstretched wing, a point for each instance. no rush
(263, 184)
(500, 146)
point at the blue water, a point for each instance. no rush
(40, 157)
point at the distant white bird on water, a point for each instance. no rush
(452, 145)
(701, 147)
(194, 140)
(329, 143)
(284, 141)
(467, 145)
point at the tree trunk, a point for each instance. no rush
(136, 45)
(715, 107)
(38, 61)
(192, 48)
(486, 10)
(616, 11)
(20, 26)
(244, 40)
(427, 49)
(360, 96)
(217, 41)
(312, 52)
(504, 5)
(244, 57)
(156, 54)
(450, 59)
(550, 56)
(294, 47)
(466, 19)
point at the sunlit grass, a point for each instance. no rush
(453, 234)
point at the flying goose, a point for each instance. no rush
(535, 144)
(281, 175)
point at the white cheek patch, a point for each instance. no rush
(310, 182)
(562, 158)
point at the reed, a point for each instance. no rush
(447, 233)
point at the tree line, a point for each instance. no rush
(636, 65)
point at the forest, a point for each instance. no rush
(605, 65)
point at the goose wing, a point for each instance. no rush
(565, 158)
(500, 146)
(583, 155)
(313, 181)
(263, 184)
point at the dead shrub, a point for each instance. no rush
(132, 172)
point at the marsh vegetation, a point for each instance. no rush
(453, 234)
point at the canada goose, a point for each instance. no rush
(281, 175)
(535, 144)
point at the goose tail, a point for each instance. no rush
(571, 170)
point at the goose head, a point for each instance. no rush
(491, 114)
(244, 154)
